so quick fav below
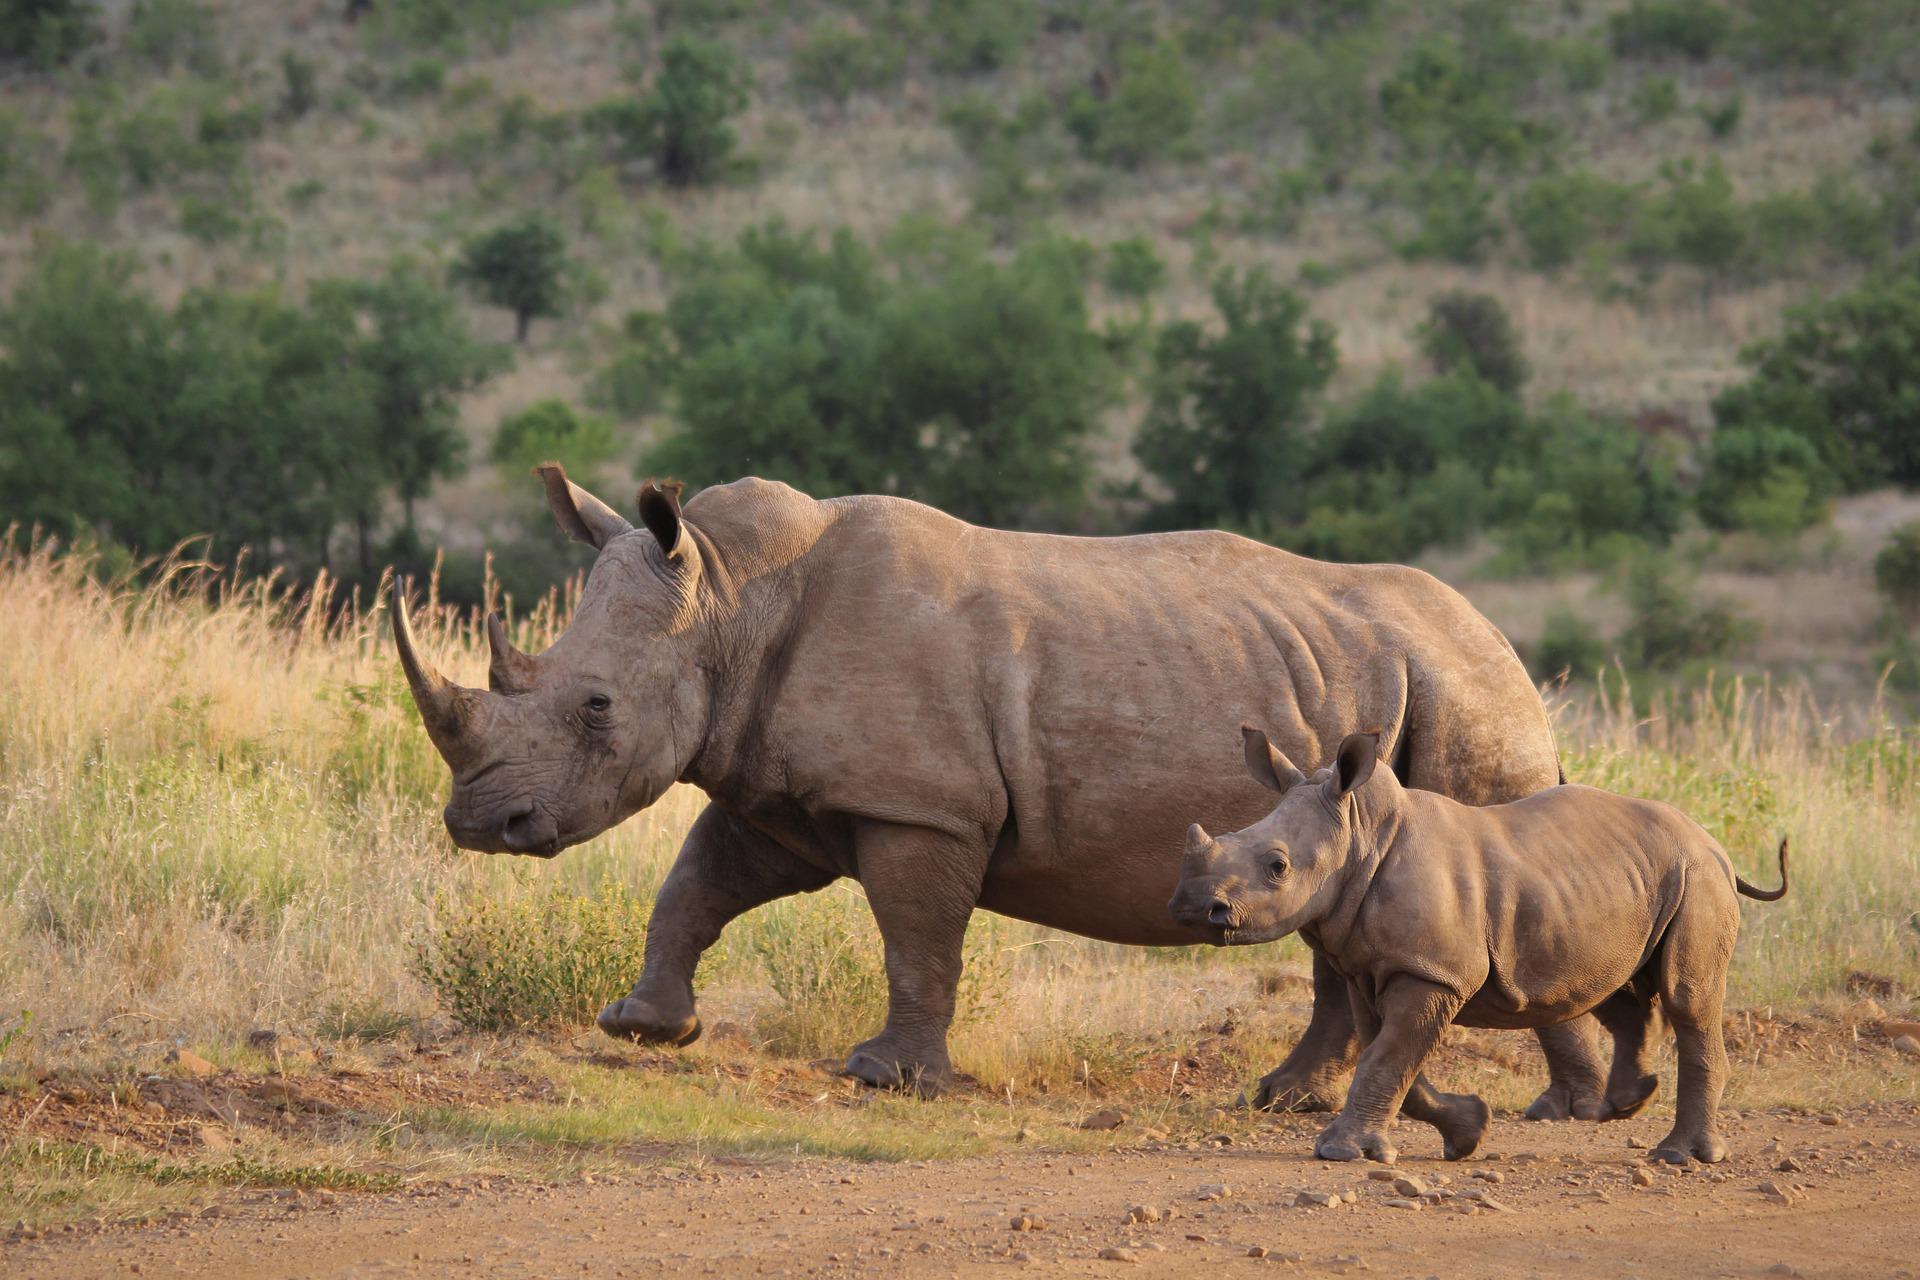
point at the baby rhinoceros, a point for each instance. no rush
(1569, 901)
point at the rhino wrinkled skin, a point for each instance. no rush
(1514, 915)
(960, 717)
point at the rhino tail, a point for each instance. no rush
(1767, 895)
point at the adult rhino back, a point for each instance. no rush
(963, 717)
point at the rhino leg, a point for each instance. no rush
(1576, 1078)
(1400, 1028)
(922, 886)
(724, 868)
(1629, 1016)
(1313, 1077)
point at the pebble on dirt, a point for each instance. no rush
(1217, 1191)
(1116, 1253)
(1908, 1045)
(1105, 1118)
(1143, 1213)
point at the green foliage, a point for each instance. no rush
(1454, 100)
(1691, 29)
(301, 78)
(1812, 35)
(934, 372)
(1279, 202)
(1669, 623)
(166, 33)
(550, 960)
(1843, 375)
(1571, 645)
(553, 431)
(1896, 570)
(1722, 118)
(980, 35)
(1696, 219)
(837, 60)
(1655, 99)
(1765, 479)
(1472, 332)
(421, 78)
(520, 265)
(1456, 217)
(634, 381)
(683, 122)
(1149, 112)
(47, 33)
(1226, 427)
(1560, 214)
(1585, 491)
(1132, 268)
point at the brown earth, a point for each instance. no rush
(1564, 1203)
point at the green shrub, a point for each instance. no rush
(421, 78)
(1455, 213)
(1655, 99)
(1148, 114)
(837, 60)
(1559, 215)
(980, 35)
(550, 960)
(1585, 64)
(47, 33)
(1896, 570)
(1656, 28)
(301, 80)
(1133, 269)
(1695, 219)
(164, 33)
(1226, 426)
(1472, 332)
(210, 221)
(1279, 202)
(634, 381)
(520, 265)
(1722, 118)
(1670, 624)
(1454, 101)
(1812, 35)
(1569, 645)
(701, 86)
(553, 431)
(1583, 491)
(1764, 479)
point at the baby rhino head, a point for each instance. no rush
(1264, 881)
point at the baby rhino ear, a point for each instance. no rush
(1269, 767)
(1353, 763)
(659, 504)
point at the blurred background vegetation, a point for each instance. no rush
(1608, 312)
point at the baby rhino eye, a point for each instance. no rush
(1277, 865)
(599, 703)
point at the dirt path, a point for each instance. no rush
(1565, 1205)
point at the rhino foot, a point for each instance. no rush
(1287, 1089)
(1464, 1125)
(632, 1018)
(1678, 1148)
(877, 1063)
(1337, 1143)
(1558, 1102)
(1630, 1100)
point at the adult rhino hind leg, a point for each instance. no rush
(724, 868)
(922, 886)
(1629, 1015)
(1314, 1076)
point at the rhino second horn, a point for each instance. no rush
(444, 706)
(508, 670)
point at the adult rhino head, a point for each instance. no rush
(564, 744)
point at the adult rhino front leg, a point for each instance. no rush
(922, 886)
(725, 868)
(1313, 1077)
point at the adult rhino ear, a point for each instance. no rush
(1268, 766)
(580, 515)
(1353, 763)
(659, 504)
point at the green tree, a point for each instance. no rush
(1472, 332)
(1845, 375)
(520, 265)
(1151, 109)
(1896, 571)
(684, 121)
(1763, 478)
(1225, 431)
(553, 431)
(47, 32)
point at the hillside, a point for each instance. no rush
(1644, 188)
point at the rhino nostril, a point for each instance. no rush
(1220, 914)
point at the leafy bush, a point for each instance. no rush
(1722, 118)
(1558, 215)
(521, 266)
(1149, 112)
(47, 33)
(1683, 28)
(980, 35)
(1814, 35)
(553, 431)
(701, 86)
(301, 77)
(551, 960)
(1454, 101)
(1473, 333)
(1279, 202)
(164, 33)
(1584, 491)
(1670, 625)
(1765, 479)
(1456, 218)
(1571, 645)
(1133, 269)
(1655, 99)
(634, 381)
(1225, 430)
(837, 60)
(1896, 570)
(1842, 375)
(1695, 219)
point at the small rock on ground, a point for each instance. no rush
(1117, 1253)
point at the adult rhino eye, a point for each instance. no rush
(599, 703)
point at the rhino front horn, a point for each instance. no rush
(445, 707)
(1198, 839)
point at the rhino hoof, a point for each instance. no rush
(1630, 1102)
(631, 1019)
(1337, 1145)
(1278, 1092)
(885, 1071)
(1465, 1126)
(1677, 1148)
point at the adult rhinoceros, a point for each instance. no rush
(961, 717)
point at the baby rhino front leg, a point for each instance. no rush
(1399, 1029)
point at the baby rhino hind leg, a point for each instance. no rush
(1693, 987)
(1629, 1015)
(1461, 1118)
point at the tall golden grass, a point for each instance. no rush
(218, 812)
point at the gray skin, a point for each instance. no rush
(959, 717)
(1570, 901)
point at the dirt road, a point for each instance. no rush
(1563, 1202)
